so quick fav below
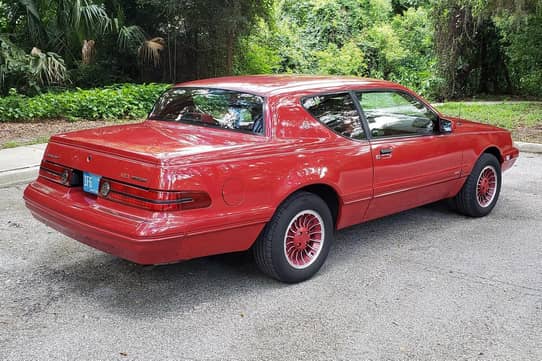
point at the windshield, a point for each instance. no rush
(211, 107)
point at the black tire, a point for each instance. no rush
(270, 249)
(472, 202)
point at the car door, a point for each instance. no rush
(413, 163)
(348, 156)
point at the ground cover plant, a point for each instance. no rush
(119, 101)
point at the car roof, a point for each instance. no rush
(266, 85)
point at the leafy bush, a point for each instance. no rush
(347, 60)
(92, 75)
(112, 102)
(257, 53)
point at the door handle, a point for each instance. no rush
(385, 151)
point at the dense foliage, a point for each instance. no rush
(441, 48)
(351, 37)
(97, 42)
(111, 102)
(488, 46)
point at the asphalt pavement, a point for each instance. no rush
(424, 284)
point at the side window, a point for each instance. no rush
(338, 113)
(396, 114)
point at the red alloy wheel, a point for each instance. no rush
(486, 187)
(304, 239)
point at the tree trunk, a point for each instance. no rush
(230, 43)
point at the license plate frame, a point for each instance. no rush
(91, 182)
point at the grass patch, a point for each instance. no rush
(15, 143)
(10, 144)
(506, 115)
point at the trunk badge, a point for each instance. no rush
(89, 158)
(139, 179)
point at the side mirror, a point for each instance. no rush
(445, 126)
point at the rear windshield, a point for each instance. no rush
(211, 107)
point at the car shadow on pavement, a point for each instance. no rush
(383, 233)
(137, 291)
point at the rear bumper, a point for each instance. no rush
(143, 241)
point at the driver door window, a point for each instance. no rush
(391, 113)
(338, 113)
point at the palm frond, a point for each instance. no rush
(30, 7)
(90, 19)
(149, 51)
(36, 28)
(130, 37)
(95, 17)
(72, 11)
(47, 68)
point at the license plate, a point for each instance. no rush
(91, 182)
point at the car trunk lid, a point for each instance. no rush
(155, 141)
(139, 153)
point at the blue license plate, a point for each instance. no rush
(91, 182)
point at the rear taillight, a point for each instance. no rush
(152, 199)
(60, 174)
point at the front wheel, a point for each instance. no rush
(481, 189)
(296, 242)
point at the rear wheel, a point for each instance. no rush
(481, 189)
(295, 243)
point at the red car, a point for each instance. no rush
(272, 163)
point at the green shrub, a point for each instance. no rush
(348, 60)
(112, 102)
